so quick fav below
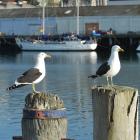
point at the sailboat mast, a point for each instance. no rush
(43, 18)
(77, 5)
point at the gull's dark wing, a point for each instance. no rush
(103, 69)
(29, 76)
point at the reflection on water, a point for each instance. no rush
(67, 74)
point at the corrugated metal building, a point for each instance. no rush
(27, 21)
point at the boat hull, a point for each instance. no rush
(138, 49)
(56, 46)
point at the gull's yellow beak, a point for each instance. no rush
(48, 56)
(121, 50)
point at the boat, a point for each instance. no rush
(39, 45)
(75, 44)
(138, 48)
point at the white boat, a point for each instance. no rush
(40, 45)
(138, 48)
(71, 45)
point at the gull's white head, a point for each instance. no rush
(43, 55)
(117, 48)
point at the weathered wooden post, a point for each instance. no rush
(44, 117)
(115, 113)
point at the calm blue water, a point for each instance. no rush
(67, 77)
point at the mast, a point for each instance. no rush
(77, 7)
(43, 4)
(43, 19)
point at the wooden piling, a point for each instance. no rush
(115, 113)
(44, 117)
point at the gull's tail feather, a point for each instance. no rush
(15, 86)
(92, 76)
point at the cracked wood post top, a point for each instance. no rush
(114, 89)
(43, 101)
(115, 112)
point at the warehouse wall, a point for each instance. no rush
(59, 25)
(121, 24)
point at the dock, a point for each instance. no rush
(129, 42)
(8, 44)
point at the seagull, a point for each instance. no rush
(32, 76)
(111, 67)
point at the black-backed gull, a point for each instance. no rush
(111, 67)
(33, 75)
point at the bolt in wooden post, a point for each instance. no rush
(115, 113)
(44, 117)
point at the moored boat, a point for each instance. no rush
(72, 44)
(138, 48)
(39, 45)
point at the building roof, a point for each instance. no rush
(116, 10)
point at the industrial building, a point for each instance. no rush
(27, 21)
(22, 18)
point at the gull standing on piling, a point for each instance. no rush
(111, 67)
(33, 75)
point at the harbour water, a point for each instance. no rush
(67, 74)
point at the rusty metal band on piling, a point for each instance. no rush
(44, 114)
